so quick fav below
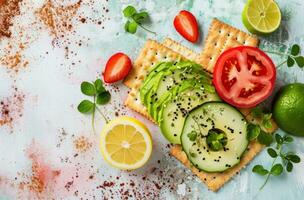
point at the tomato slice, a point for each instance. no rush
(244, 76)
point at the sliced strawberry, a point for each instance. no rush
(117, 68)
(186, 25)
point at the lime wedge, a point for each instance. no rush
(261, 16)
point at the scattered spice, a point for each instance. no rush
(82, 144)
(8, 10)
(58, 19)
(42, 175)
(11, 108)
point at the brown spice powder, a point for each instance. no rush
(11, 108)
(42, 174)
(58, 19)
(82, 144)
(8, 10)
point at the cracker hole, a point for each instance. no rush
(215, 44)
(220, 31)
(228, 34)
(210, 58)
(156, 53)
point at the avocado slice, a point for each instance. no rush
(161, 70)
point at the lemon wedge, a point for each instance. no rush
(126, 143)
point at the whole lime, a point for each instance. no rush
(288, 109)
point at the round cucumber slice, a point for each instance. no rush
(174, 113)
(214, 136)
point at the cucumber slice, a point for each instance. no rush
(174, 113)
(214, 136)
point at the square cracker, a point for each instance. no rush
(151, 54)
(170, 44)
(225, 37)
(182, 50)
(221, 37)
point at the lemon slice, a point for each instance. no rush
(261, 16)
(126, 143)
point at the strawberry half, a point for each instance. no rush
(185, 24)
(117, 68)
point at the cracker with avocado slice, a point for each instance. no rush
(225, 37)
(151, 54)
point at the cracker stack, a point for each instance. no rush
(220, 38)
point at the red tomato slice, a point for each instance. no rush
(186, 25)
(244, 76)
(117, 68)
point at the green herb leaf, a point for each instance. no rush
(87, 88)
(103, 98)
(265, 138)
(290, 61)
(216, 139)
(86, 107)
(266, 121)
(289, 166)
(288, 139)
(259, 169)
(140, 17)
(300, 61)
(129, 11)
(253, 131)
(278, 139)
(257, 112)
(99, 86)
(293, 158)
(192, 135)
(272, 152)
(277, 169)
(131, 27)
(295, 50)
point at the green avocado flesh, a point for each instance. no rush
(165, 93)
(214, 136)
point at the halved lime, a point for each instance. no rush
(261, 16)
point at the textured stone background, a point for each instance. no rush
(48, 149)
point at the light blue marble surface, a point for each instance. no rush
(51, 82)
